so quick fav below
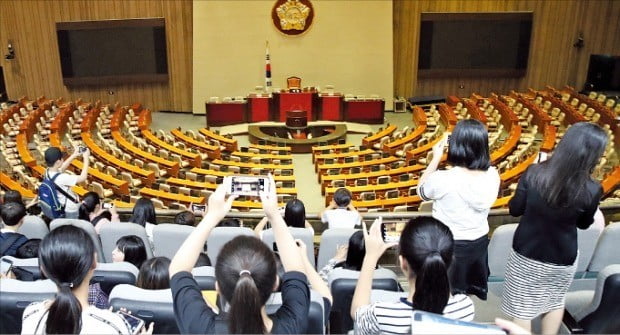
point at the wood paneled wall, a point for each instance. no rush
(553, 59)
(30, 26)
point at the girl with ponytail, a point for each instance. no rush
(91, 210)
(67, 257)
(246, 275)
(426, 252)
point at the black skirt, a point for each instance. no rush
(469, 271)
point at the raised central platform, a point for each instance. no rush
(315, 134)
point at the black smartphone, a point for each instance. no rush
(135, 323)
(82, 149)
(6, 266)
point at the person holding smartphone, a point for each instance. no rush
(93, 211)
(462, 198)
(246, 276)
(57, 166)
(67, 257)
(426, 249)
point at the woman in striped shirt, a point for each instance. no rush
(426, 250)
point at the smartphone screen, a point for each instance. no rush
(246, 185)
(198, 208)
(390, 231)
(429, 323)
(135, 323)
(107, 205)
(6, 265)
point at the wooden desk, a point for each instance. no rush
(252, 165)
(501, 202)
(611, 182)
(387, 203)
(331, 106)
(509, 119)
(269, 147)
(287, 101)
(259, 107)
(226, 113)
(11, 184)
(365, 111)
(263, 156)
(144, 119)
(419, 118)
(376, 137)
(229, 143)
(170, 197)
(474, 110)
(212, 186)
(320, 158)
(513, 174)
(372, 176)
(194, 159)
(509, 144)
(356, 190)
(422, 150)
(147, 177)
(24, 153)
(548, 142)
(248, 204)
(206, 172)
(447, 115)
(122, 204)
(171, 167)
(387, 160)
(212, 151)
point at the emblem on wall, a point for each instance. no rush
(292, 17)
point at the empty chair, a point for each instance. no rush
(392, 194)
(148, 305)
(100, 190)
(205, 277)
(15, 296)
(368, 196)
(499, 250)
(426, 206)
(330, 240)
(361, 182)
(342, 284)
(167, 238)
(126, 176)
(605, 252)
(383, 179)
(155, 168)
(111, 233)
(33, 227)
(597, 311)
(338, 183)
(317, 322)
(108, 275)
(88, 228)
(221, 235)
(303, 234)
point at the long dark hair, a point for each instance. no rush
(295, 214)
(246, 274)
(143, 212)
(88, 205)
(133, 248)
(469, 145)
(562, 179)
(427, 245)
(153, 274)
(66, 256)
(355, 252)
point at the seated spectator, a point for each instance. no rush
(153, 274)
(12, 214)
(348, 257)
(91, 210)
(144, 215)
(185, 218)
(203, 260)
(294, 217)
(30, 249)
(340, 213)
(229, 222)
(67, 257)
(426, 249)
(15, 196)
(245, 271)
(130, 249)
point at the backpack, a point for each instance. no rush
(48, 197)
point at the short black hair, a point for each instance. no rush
(12, 213)
(30, 249)
(342, 197)
(52, 155)
(203, 260)
(469, 146)
(229, 222)
(185, 218)
(12, 196)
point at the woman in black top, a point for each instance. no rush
(246, 276)
(553, 198)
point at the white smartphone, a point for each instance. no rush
(107, 205)
(542, 156)
(391, 231)
(429, 323)
(6, 266)
(135, 323)
(246, 185)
